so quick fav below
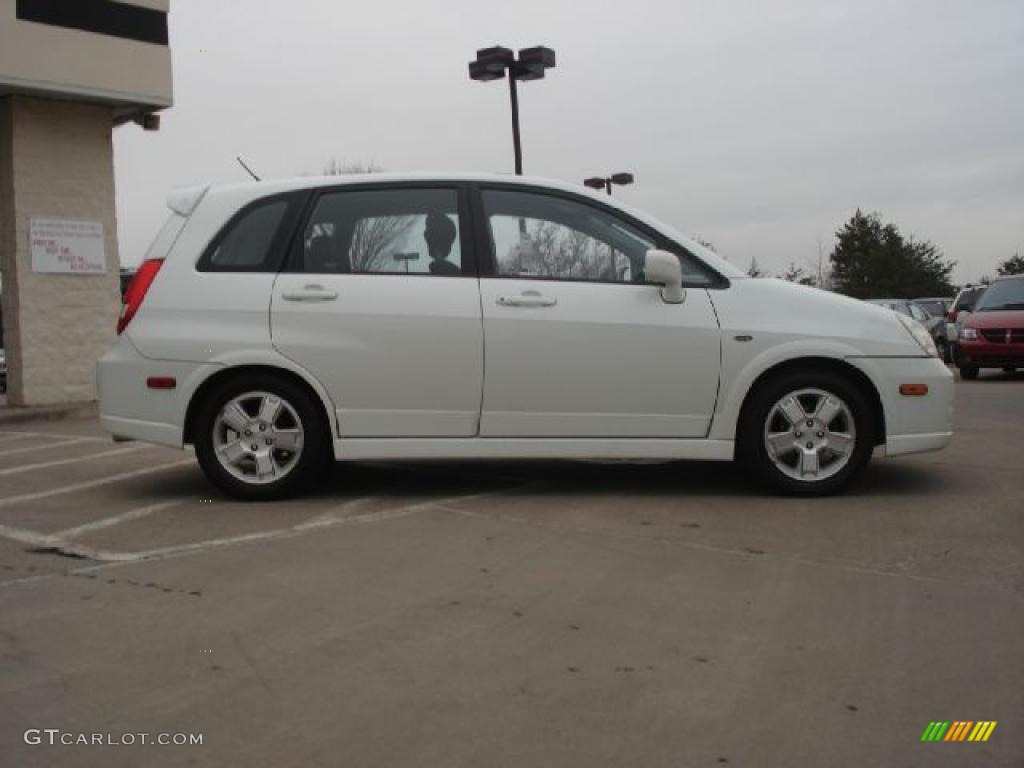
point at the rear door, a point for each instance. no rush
(577, 343)
(381, 304)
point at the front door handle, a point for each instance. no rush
(310, 293)
(527, 299)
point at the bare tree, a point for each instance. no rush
(336, 168)
(373, 239)
(553, 250)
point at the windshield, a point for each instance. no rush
(1006, 294)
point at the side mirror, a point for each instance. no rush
(663, 268)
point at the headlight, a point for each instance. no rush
(920, 333)
(969, 334)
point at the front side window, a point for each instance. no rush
(384, 231)
(550, 237)
(246, 244)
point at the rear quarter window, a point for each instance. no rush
(253, 240)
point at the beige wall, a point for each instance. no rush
(56, 161)
(38, 57)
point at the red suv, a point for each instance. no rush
(993, 336)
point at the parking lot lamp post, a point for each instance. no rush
(605, 182)
(497, 62)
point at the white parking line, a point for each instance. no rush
(329, 519)
(92, 483)
(54, 435)
(132, 514)
(45, 446)
(61, 462)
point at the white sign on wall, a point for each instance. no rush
(69, 247)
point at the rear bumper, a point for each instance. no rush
(147, 431)
(129, 409)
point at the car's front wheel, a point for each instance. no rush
(807, 433)
(260, 437)
(969, 372)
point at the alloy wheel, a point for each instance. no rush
(810, 434)
(258, 437)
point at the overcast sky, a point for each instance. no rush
(760, 126)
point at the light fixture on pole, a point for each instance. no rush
(497, 62)
(605, 182)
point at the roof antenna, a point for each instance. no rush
(248, 170)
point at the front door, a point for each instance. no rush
(577, 344)
(383, 308)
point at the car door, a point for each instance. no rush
(381, 305)
(577, 344)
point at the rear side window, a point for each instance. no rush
(413, 231)
(247, 243)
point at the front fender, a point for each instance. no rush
(740, 371)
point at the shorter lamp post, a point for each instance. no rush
(605, 182)
(494, 63)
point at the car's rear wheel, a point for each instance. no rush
(969, 372)
(807, 433)
(260, 437)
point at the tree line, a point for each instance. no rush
(873, 259)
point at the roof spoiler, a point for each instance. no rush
(183, 201)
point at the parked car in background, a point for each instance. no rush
(940, 307)
(993, 334)
(935, 324)
(935, 306)
(279, 325)
(963, 305)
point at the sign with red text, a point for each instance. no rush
(67, 247)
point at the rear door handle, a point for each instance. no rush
(310, 293)
(527, 299)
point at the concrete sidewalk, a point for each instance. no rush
(19, 414)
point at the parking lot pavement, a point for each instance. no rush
(540, 613)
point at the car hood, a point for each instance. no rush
(1006, 318)
(776, 311)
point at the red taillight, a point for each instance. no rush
(136, 291)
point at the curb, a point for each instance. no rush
(12, 414)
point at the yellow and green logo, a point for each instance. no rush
(959, 730)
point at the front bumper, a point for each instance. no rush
(989, 354)
(913, 424)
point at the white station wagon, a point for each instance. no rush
(277, 325)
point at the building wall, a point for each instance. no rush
(56, 161)
(77, 64)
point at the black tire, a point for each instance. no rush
(969, 372)
(316, 446)
(753, 453)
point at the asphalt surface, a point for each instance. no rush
(542, 613)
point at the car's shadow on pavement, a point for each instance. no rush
(595, 479)
(427, 480)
